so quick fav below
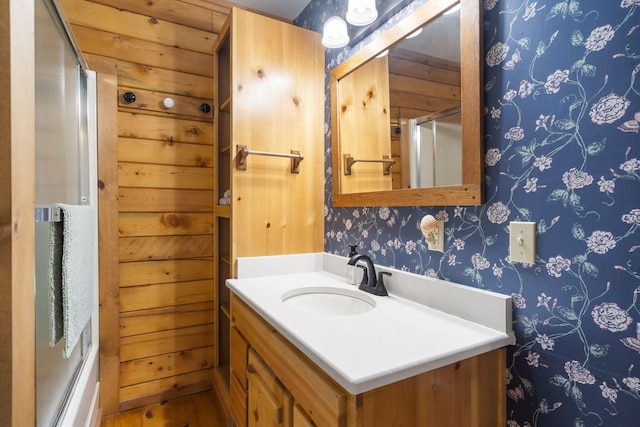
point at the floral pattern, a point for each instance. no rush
(562, 117)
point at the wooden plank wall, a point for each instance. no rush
(17, 257)
(164, 186)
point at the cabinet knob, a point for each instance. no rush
(205, 108)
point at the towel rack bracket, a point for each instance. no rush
(242, 153)
(241, 157)
(386, 161)
(295, 161)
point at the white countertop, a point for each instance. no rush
(396, 340)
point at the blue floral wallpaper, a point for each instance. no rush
(562, 148)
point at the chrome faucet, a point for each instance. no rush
(369, 282)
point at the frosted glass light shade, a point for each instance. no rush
(361, 12)
(334, 33)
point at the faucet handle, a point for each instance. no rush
(365, 275)
(380, 289)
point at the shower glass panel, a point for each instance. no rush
(435, 151)
(61, 176)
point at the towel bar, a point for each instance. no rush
(242, 153)
(48, 214)
(387, 160)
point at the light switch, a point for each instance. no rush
(522, 242)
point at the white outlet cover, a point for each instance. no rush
(522, 242)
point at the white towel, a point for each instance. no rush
(55, 283)
(77, 271)
(226, 198)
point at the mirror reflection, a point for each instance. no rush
(406, 112)
(435, 150)
(398, 113)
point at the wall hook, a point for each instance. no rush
(129, 97)
(168, 103)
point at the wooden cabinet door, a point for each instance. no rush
(269, 403)
(300, 418)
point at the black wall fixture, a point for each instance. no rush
(129, 97)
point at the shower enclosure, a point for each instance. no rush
(435, 147)
(66, 386)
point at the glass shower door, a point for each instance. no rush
(61, 177)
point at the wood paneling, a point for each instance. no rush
(163, 80)
(17, 258)
(164, 152)
(163, 295)
(142, 126)
(164, 223)
(208, 17)
(140, 27)
(159, 200)
(160, 176)
(141, 51)
(153, 344)
(165, 365)
(178, 270)
(177, 385)
(156, 173)
(162, 248)
(146, 323)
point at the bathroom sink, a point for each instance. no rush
(328, 300)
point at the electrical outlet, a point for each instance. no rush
(522, 242)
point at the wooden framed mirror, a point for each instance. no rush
(393, 89)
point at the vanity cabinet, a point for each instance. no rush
(274, 379)
(269, 98)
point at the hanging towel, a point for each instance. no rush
(78, 229)
(55, 283)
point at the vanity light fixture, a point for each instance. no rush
(359, 13)
(334, 33)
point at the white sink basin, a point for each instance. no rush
(327, 300)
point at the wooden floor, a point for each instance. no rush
(197, 410)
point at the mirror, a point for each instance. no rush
(406, 113)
